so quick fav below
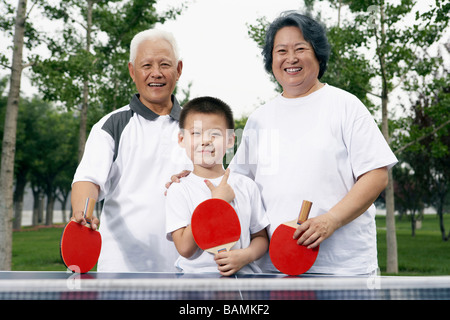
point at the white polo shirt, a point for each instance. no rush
(131, 153)
(314, 148)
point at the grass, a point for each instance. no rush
(37, 249)
(424, 254)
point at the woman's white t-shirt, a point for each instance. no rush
(183, 198)
(314, 148)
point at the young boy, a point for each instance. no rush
(207, 131)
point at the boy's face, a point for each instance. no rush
(206, 138)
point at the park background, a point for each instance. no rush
(393, 55)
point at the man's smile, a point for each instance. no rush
(156, 84)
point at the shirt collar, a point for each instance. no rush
(137, 106)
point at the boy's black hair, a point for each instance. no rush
(207, 105)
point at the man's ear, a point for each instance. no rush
(179, 69)
(131, 70)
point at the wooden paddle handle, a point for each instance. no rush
(89, 209)
(304, 211)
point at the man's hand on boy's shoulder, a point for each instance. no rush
(176, 178)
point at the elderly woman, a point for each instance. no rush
(319, 143)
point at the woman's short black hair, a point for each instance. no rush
(312, 31)
(207, 105)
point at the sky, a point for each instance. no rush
(219, 58)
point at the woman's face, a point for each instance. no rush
(294, 65)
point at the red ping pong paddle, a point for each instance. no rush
(215, 226)
(286, 255)
(80, 245)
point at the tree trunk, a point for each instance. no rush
(63, 201)
(413, 224)
(391, 237)
(9, 141)
(36, 205)
(19, 192)
(440, 213)
(84, 107)
(49, 209)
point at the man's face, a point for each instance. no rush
(155, 72)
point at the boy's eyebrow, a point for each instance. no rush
(193, 128)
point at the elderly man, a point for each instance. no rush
(129, 155)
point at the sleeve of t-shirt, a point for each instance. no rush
(245, 160)
(97, 159)
(258, 219)
(178, 214)
(367, 146)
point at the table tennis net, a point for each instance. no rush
(20, 286)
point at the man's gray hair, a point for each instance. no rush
(152, 34)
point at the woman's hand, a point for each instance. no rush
(313, 231)
(360, 197)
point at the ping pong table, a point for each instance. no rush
(197, 296)
(28, 285)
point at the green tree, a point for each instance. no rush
(347, 69)
(56, 138)
(15, 24)
(396, 47)
(45, 154)
(3, 99)
(9, 138)
(426, 142)
(88, 61)
(392, 48)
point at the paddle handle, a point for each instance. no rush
(89, 209)
(304, 211)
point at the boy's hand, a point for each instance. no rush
(230, 262)
(223, 190)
